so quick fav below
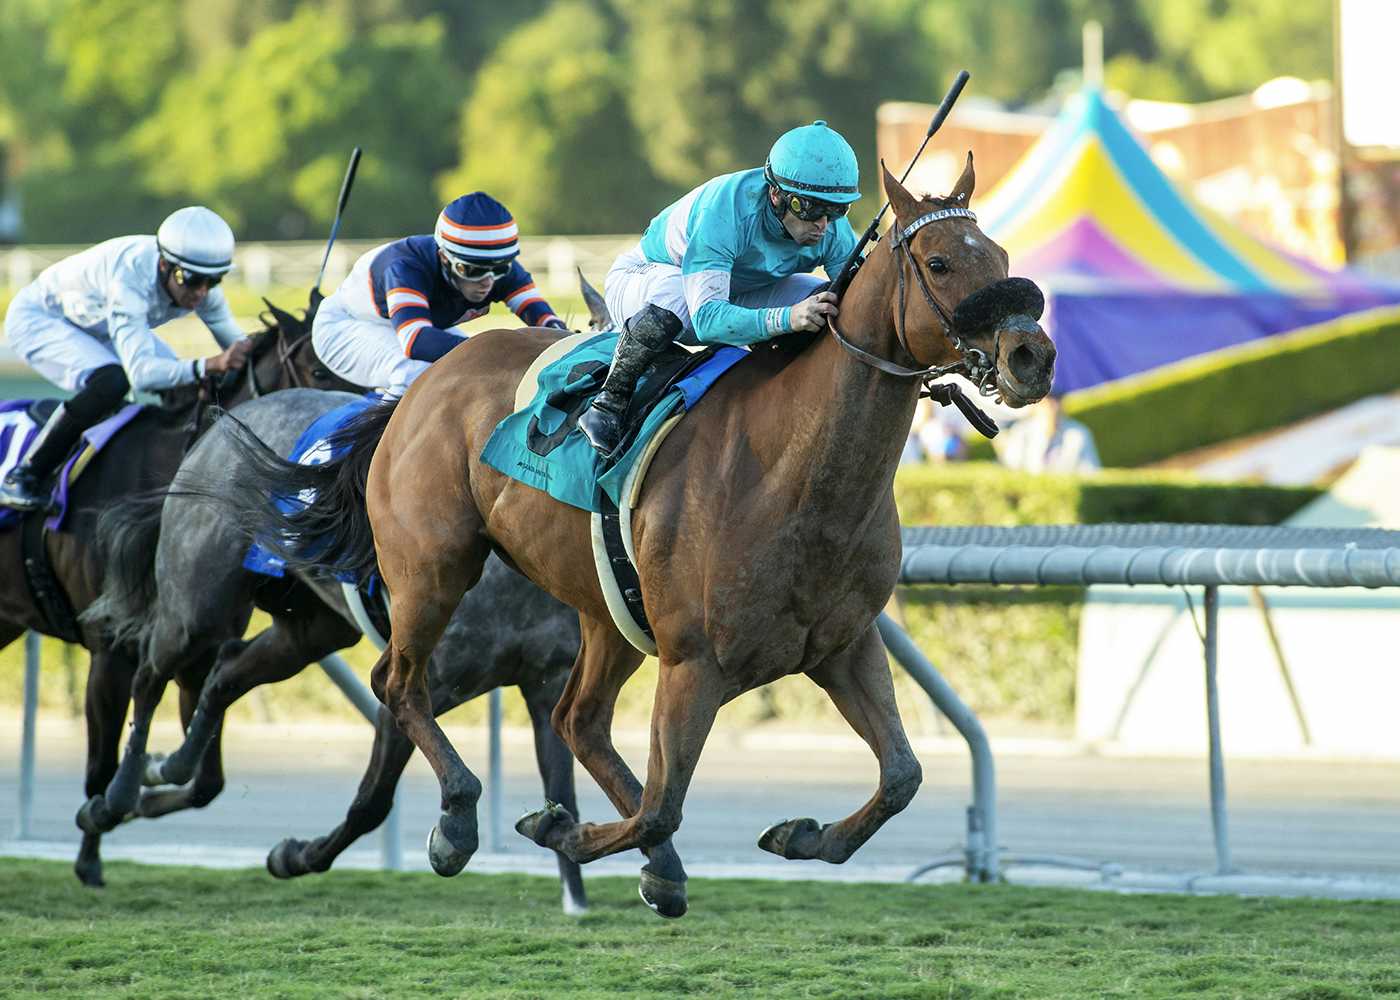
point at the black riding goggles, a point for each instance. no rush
(475, 272)
(812, 209)
(194, 279)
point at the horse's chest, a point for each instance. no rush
(784, 609)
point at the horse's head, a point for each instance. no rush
(282, 358)
(963, 308)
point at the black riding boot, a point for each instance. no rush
(26, 486)
(649, 333)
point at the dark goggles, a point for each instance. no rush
(475, 272)
(193, 279)
(812, 209)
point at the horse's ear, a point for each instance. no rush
(905, 205)
(962, 190)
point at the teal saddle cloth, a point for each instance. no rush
(542, 446)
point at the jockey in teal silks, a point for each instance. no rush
(731, 263)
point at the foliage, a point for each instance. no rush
(584, 114)
(289, 107)
(546, 129)
(179, 932)
(1254, 388)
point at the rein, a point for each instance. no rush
(973, 362)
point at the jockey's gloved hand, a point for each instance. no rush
(811, 314)
(554, 323)
(234, 357)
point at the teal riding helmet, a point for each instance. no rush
(816, 162)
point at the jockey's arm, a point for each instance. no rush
(705, 278)
(150, 365)
(218, 317)
(406, 292)
(517, 290)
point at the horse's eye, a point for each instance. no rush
(320, 373)
(937, 265)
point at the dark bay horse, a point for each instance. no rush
(194, 600)
(142, 457)
(766, 538)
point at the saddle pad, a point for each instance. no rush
(311, 448)
(540, 443)
(17, 431)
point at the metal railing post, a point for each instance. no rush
(24, 822)
(983, 857)
(1218, 817)
(495, 793)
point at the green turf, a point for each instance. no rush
(168, 932)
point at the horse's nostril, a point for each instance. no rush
(1022, 362)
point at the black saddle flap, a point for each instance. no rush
(658, 379)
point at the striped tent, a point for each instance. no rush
(1137, 275)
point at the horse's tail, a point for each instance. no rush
(313, 516)
(125, 546)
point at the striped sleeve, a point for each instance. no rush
(517, 289)
(407, 303)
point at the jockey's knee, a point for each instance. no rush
(655, 326)
(101, 393)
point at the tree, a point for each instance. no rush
(261, 135)
(546, 129)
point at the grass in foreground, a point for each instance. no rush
(173, 932)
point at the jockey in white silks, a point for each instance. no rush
(86, 324)
(392, 315)
(731, 263)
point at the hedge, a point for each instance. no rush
(1245, 390)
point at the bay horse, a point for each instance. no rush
(766, 537)
(142, 457)
(194, 599)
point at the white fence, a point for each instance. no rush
(263, 266)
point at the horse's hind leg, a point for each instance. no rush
(370, 808)
(108, 692)
(428, 560)
(308, 632)
(556, 764)
(858, 682)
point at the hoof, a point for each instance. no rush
(538, 825)
(795, 839)
(446, 858)
(284, 860)
(94, 817)
(90, 873)
(152, 776)
(666, 898)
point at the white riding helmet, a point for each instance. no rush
(196, 239)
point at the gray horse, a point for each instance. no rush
(196, 598)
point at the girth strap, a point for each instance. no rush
(48, 594)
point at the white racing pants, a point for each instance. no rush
(61, 352)
(366, 352)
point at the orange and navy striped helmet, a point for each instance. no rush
(477, 227)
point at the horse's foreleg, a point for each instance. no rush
(687, 697)
(556, 765)
(858, 682)
(108, 692)
(392, 750)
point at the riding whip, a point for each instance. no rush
(848, 269)
(316, 295)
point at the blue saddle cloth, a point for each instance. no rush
(542, 446)
(311, 448)
(17, 431)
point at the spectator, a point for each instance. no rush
(934, 436)
(1045, 440)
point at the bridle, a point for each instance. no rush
(974, 363)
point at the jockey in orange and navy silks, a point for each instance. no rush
(393, 314)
